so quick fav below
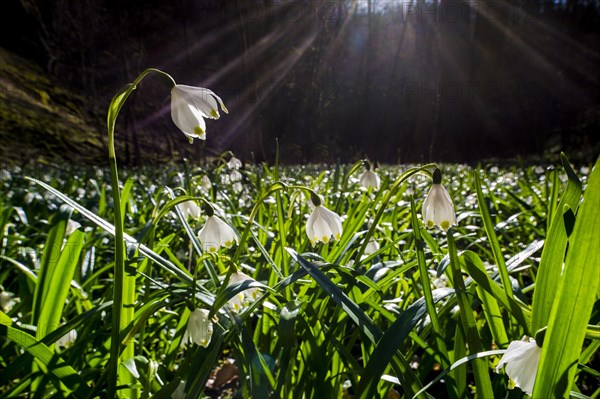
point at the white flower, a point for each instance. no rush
(440, 282)
(521, 359)
(234, 163)
(372, 247)
(67, 339)
(244, 297)
(438, 208)
(199, 328)
(190, 209)
(237, 187)
(322, 224)
(369, 179)
(190, 105)
(205, 184)
(225, 179)
(235, 176)
(7, 301)
(179, 392)
(216, 233)
(71, 227)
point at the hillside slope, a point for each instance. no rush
(40, 121)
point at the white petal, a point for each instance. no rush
(372, 247)
(234, 163)
(204, 99)
(200, 327)
(369, 179)
(322, 224)
(188, 119)
(216, 233)
(209, 235)
(521, 360)
(438, 208)
(333, 221)
(244, 297)
(321, 230)
(310, 231)
(427, 214)
(71, 227)
(226, 234)
(190, 209)
(179, 392)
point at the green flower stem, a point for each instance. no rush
(124, 286)
(425, 282)
(480, 368)
(392, 191)
(121, 295)
(314, 196)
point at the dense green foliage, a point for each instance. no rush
(330, 320)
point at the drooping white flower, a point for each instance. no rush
(234, 163)
(205, 184)
(438, 208)
(237, 187)
(179, 392)
(72, 225)
(235, 176)
(440, 282)
(369, 179)
(245, 297)
(225, 179)
(190, 105)
(323, 224)
(521, 360)
(199, 328)
(216, 233)
(67, 340)
(7, 301)
(372, 247)
(190, 209)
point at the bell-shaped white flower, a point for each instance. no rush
(245, 297)
(205, 184)
(179, 392)
(235, 176)
(369, 179)
(216, 233)
(67, 340)
(7, 301)
(438, 208)
(199, 328)
(234, 163)
(372, 247)
(72, 225)
(190, 105)
(225, 179)
(521, 360)
(190, 209)
(237, 187)
(323, 224)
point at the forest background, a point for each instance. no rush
(394, 81)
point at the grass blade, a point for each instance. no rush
(392, 340)
(576, 295)
(493, 239)
(409, 381)
(553, 253)
(52, 363)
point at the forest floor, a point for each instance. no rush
(40, 121)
